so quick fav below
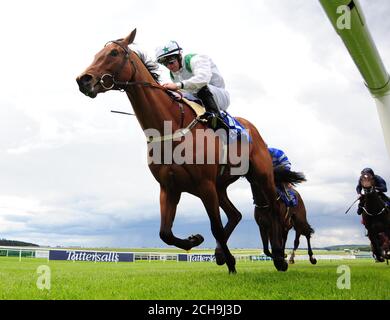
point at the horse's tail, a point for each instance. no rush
(311, 230)
(304, 228)
(286, 176)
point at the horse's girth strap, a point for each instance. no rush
(177, 135)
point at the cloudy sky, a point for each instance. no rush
(72, 173)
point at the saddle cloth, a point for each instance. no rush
(290, 199)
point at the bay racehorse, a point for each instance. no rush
(117, 67)
(294, 217)
(376, 217)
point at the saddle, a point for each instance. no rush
(198, 109)
(203, 115)
(233, 126)
(191, 101)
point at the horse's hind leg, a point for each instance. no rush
(309, 250)
(208, 195)
(296, 245)
(234, 216)
(168, 204)
(304, 228)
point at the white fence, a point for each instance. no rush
(43, 253)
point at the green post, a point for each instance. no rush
(347, 18)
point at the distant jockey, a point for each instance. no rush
(280, 162)
(279, 159)
(380, 186)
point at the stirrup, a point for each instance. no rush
(210, 118)
(205, 116)
(213, 121)
(220, 124)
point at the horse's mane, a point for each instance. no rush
(150, 65)
(285, 176)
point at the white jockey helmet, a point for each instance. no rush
(170, 49)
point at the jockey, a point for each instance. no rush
(281, 162)
(195, 74)
(380, 186)
(279, 159)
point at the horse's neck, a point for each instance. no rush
(151, 105)
(373, 201)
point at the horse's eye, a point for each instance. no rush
(114, 53)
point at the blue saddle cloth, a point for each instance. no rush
(237, 130)
(290, 200)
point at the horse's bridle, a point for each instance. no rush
(369, 190)
(113, 77)
(123, 85)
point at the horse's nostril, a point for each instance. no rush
(84, 79)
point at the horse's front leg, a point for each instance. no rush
(376, 245)
(234, 216)
(264, 234)
(168, 204)
(262, 220)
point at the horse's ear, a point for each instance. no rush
(130, 38)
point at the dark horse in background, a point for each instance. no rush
(376, 217)
(117, 67)
(294, 217)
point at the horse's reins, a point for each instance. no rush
(372, 189)
(351, 205)
(123, 85)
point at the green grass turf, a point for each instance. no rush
(193, 281)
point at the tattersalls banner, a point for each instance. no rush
(92, 256)
(196, 257)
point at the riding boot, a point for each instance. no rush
(214, 117)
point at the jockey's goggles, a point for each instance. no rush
(168, 61)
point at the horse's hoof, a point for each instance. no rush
(233, 271)
(280, 264)
(196, 240)
(291, 261)
(313, 261)
(231, 264)
(219, 257)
